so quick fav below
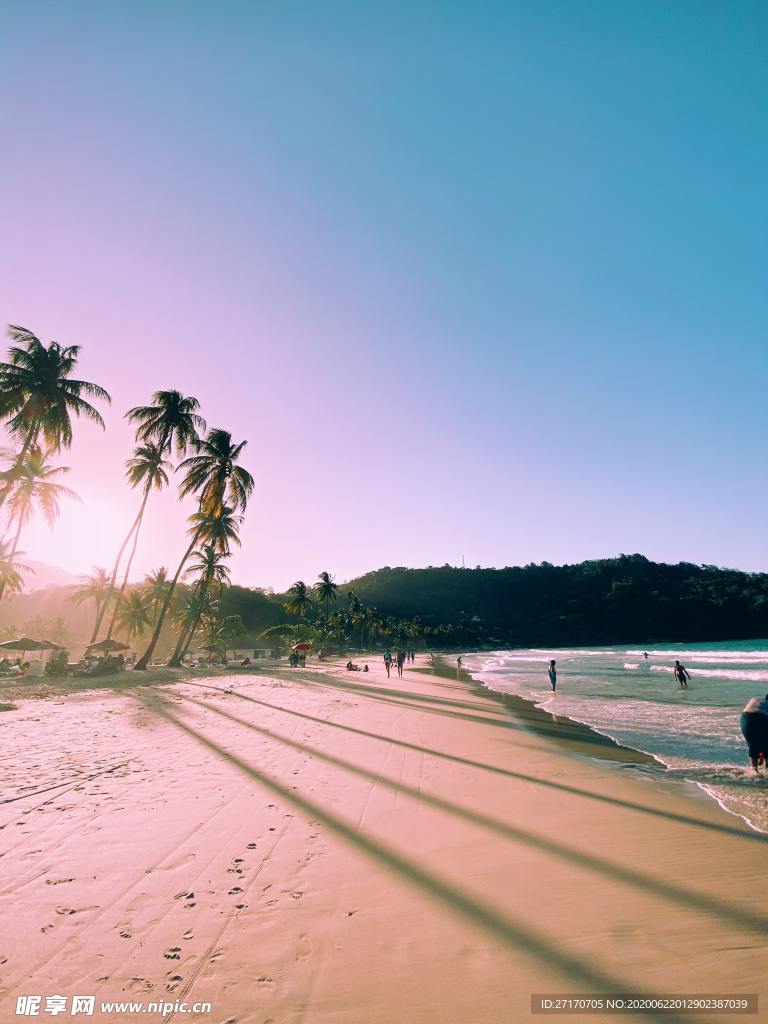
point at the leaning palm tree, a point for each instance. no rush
(38, 397)
(34, 484)
(134, 615)
(155, 588)
(215, 477)
(211, 572)
(93, 588)
(220, 530)
(299, 599)
(172, 422)
(148, 470)
(326, 589)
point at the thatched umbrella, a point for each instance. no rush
(107, 646)
(25, 643)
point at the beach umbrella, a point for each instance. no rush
(25, 643)
(106, 647)
(303, 646)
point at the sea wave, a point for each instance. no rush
(757, 675)
(753, 657)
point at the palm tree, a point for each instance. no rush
(155, 588)
(38, 397)
(210, 570)
(34, 483)
(299, 599)
(214, 475)
(218, 530)
(172, 422)
(147, 469)
(93, 588)
(326, 589)
(134, 615)
(10, 570)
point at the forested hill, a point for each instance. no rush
(613, 600)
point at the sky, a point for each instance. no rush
(475, 280)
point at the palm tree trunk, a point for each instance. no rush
(185, 637)
(143, 661)
(100, 606)
(191, 637)
(136, 529)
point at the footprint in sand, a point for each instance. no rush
(235, 891)
(174, 953)
(139, 985)
(251, 846)
(188, 905)
(125, 934)
(297, 895)
(241, 906)
(188, 935)
(65, 910)
(58, 881)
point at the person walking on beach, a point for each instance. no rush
(682, 675)
(458, 664)
(552, 673)
(754, 729)
(400, 660)
(387, 662)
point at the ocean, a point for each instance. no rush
(695, 732)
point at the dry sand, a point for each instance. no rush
(334, 848)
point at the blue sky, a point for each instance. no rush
(474, 279)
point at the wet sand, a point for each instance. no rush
(323, 846)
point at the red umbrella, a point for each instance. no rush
(302, 647)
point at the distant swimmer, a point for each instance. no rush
(645, 655)
(754, 729)
(682, 675)
(552, 673)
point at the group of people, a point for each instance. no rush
(352, 667)
(399, 660)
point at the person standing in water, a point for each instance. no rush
(552, 673)
(458, 664)
(754, 729)
(682, 675)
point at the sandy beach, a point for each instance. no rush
(327, 847)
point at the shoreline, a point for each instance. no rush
(634, 756)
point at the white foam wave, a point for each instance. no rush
(753, 657)
(631, 664)
(757, 675)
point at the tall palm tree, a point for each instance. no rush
(220, 530)
(215, 476)
(34, 483)
(134, 615)
(211, 571)
(149, 470)
(171, 422)
(326, 589)
(38, 397)
(299, 599)
(93, 588)
(156, 586)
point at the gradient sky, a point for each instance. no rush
(473, 279)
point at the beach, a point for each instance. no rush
(316, 845)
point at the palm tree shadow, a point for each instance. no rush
(513, 934)
(681, 819)
(657, 887)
